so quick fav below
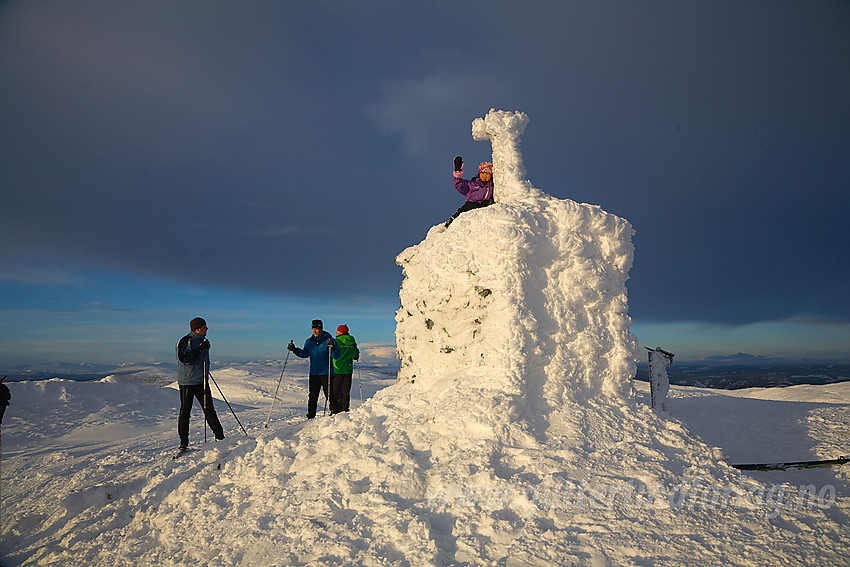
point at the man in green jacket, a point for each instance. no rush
(343, 369)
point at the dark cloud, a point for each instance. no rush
(281, 146)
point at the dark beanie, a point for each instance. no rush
(317, 324)
(197, 323)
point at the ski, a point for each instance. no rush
(795, 464)
(181, 451)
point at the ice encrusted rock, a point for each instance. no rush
(528, 293)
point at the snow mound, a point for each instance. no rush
(528, 293)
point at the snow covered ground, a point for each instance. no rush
(88, 480)
(514, 435)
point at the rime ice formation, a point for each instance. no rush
(503, 130)
(529, 291)
(659, 360)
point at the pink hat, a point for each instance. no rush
(342, 329)
(485, 167)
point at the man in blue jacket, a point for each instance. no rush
(316, 348)
(193, 364)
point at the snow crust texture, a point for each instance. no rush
(529, 292)
(411, 480)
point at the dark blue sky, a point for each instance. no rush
(263, 162)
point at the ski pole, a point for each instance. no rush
(204, 398)
(228, 403)
(359, 383)
(278, 387)
(328, 393)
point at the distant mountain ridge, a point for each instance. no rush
(156, 372)
(716, 373)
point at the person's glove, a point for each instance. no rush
(330, 343)
(205, 345)
(458, 163)
(291, 346)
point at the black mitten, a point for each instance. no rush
(458, 163)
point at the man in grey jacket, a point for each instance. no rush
(193, 363)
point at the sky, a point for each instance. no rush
(261, 164)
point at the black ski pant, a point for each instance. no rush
(317, 382)
(340, 392)
(187, 397)
(468, 206)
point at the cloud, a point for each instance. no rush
(290, 230)
(381, 351)
(40, 275)
(226, 140)
(97, 305)
(787, 339)
(420, 108)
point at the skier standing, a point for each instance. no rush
(193, 363)
(478, 190)
(316, 349)
(343, 369)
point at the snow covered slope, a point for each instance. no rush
(512, 436)
(88, 480)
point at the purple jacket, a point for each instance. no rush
(474, 189)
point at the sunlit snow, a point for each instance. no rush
(514, 434)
